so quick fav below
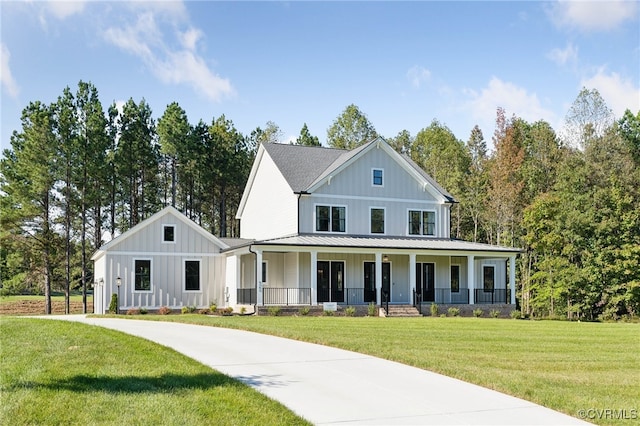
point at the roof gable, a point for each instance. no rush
(169, 210)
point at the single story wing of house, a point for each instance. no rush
(317, 225)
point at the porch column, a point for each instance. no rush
(231, 278)
(471, 278)
(379, 278)
(259, 298)
(314, 277)
(412, 275)
(512, 278)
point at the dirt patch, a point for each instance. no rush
(36, 307)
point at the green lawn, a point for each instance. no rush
(566, 366)
(62, 373)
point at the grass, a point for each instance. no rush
(566, 366)
(57, 372)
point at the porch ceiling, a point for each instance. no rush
(398, 243)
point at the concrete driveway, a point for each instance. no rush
(330, 386)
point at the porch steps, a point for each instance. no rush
(403, 311)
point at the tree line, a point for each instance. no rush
(76, 176)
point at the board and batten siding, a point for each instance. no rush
(353, 189)
(271, 208)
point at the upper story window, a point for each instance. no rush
(168, 233)
(377, 177)
(331, 218)
(422, 222)
(377, 220)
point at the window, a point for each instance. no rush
(455, 278)
(422, 222)
(142, 270)
(488, 274)
(168, 233)
(264, 272)
(377, 221)
(377, 177)
(330, 218)
(192, 275)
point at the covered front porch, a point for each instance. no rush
(347, 272)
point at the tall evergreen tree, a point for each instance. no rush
(306, 138)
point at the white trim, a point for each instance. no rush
(367, 198)
(168, 225)
(184, 276)
(331, 206)
(133, 275)
(161, 253)
(436, 228)
(373, 170)
(384, 220)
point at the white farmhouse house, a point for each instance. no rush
(317, 225)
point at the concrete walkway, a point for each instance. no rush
(330, 386)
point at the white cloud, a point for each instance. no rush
(184, 65)
(8, 82)
(563, 57)
(619, 93)
(418, 75)
(513, 99)
(64, 9)
(592, 15)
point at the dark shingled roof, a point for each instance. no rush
(301, 165)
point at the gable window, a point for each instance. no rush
(377, 221)
(192, 275)
(377, 175)
(330, 218)
(488, 277)
(168, 233)
(455, 278)
(422, 222)
(142, 271)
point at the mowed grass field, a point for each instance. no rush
(567, 366)
(64, 373)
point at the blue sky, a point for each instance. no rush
(402, 63)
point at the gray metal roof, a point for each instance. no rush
(365, 241)
(301, 165)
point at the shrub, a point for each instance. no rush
(327, 313)
(371, 309)
(443, 315)
(213, 306)
(164, 310)
(478, 313)
(453, 312)
(305, 310)
(434, 310)
(274, 311)
(350, 311)
(515, 314)
(227, 311)
(494, 313)
(204, 311)
(133, 311)
(243, 310)
(144, 311)
(188, 309)
(113, 305)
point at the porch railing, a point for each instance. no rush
(498, 295)
(286, 296)
(445, 295)
(247, 296)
